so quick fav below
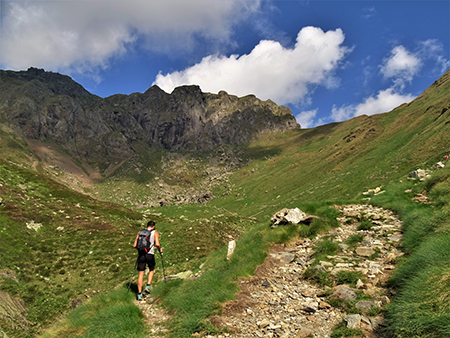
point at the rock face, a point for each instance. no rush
(44, 105)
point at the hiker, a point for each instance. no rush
(146, 241)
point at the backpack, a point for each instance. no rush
(143, 243)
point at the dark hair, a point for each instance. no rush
(150, 224)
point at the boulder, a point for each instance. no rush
(9, 274)
(367, 305)
(353, 321)
(417, 173)
(439, 165)
(180, 275)
(365, 251)
(344, 292)
(290, 216)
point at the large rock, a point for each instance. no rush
(365, 251)
(291, 216)
(353, 321)
(367, 305)
(344, 292)
(419, 173)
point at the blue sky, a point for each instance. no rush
(326, 60)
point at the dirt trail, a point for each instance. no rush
(279, 302)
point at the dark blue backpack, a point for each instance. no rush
(143, 244)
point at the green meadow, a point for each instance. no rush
(73, 259)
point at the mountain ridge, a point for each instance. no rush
(44, 105)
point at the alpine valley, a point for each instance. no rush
(80, 175)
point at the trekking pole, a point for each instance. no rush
(162, 262)
(132, 275)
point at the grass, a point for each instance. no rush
(365, 223)
(348, 277)
(354, 240)
(67, 257)
(111, 315)
(311, 169)
(342, 331)
(91, 252)
(421, 309)
(325, 247)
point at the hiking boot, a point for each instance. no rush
(141, 297)
(147, 290)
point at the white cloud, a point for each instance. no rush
(306, 118)
(86, 34)
(385, 101)
(401, 66)
(433, 50)
(270, 70)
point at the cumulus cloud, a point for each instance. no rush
(85, 34)
(306, 118)
(384, 101)
(401, 65)
(285, 75)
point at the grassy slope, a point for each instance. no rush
(340, 161)
(309, 169)
(421, 308)
(83, 247)
(87, 255)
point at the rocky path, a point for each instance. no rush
(279, 302)
(154, 316)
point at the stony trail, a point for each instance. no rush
(279, 302)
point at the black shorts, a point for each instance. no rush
(144, 260)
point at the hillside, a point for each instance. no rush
(81, 139)
(81, 245)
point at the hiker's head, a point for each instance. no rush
(150, 224)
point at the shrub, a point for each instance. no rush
(348, 277)
(325, 247)
(365, 223)
(354, 239)
(318, 277)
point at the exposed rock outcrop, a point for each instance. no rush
(44, 105)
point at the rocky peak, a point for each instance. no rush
(40, 104)
(57, 83)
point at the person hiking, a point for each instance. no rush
(146, 241)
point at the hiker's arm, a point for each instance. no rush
(135, 241)
(157, 244)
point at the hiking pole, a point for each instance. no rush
(162, 262)
(132, 275)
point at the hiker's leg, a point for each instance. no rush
(151, 272)
(140, 280)
(150, 277)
